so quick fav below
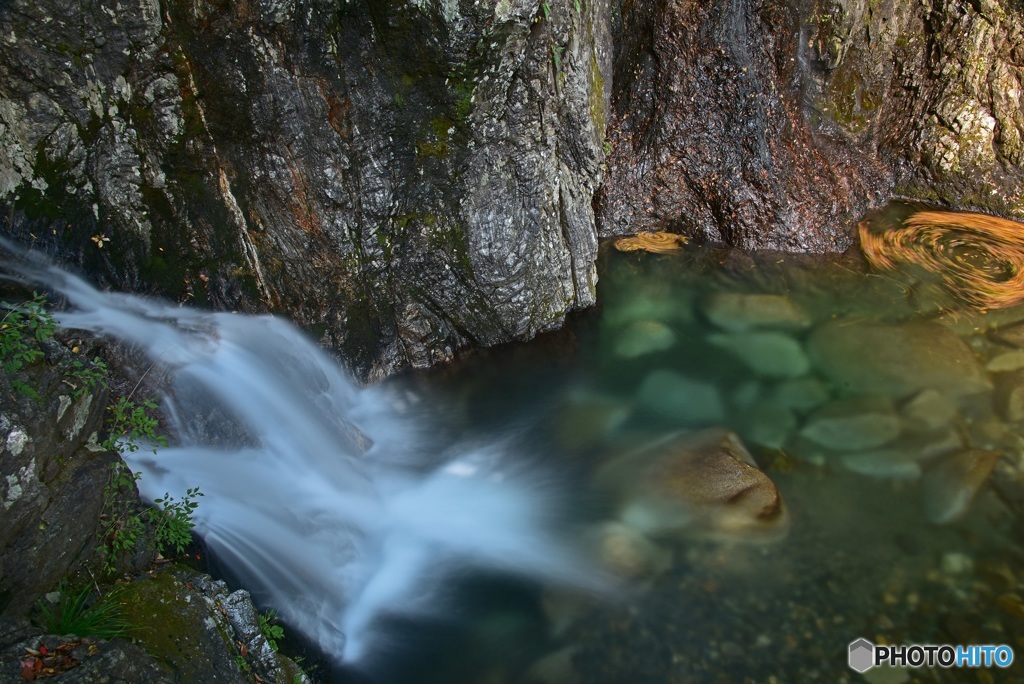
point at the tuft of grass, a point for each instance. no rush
(76, 614)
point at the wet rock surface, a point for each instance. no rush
(53, 478)
(709, 136)
(768, 124)
(401, 178)
(184, 626)
(89, 661)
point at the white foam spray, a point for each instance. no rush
(332, 535)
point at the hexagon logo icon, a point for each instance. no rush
(862, 655)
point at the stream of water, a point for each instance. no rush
(490, 521)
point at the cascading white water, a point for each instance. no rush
(332, 535)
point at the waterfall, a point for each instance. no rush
(320, 496)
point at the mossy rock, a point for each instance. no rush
(181, 628)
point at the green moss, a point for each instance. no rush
(405, 220)
(463, 95)
(437, 148)
(435, 140)
(169, 627)
(851, 102)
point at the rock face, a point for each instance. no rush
(52, 485)
(404, 177)
(772, 124)
(400, 177)
(709, 137)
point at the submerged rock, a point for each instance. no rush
(801, 394)
(705, 484)
(680, 399)
(628, 553)
(1007, 361)
(770, 424)
(906, 457)
(586, 418)
(647, 301)
(951, 484)
(853, 424)
(644, 337)
(554, 668)
(1011, 334)
(1008, 398)
(768, 354)
(928, 410)
(739, 312)
(885, 463)
(896, 360)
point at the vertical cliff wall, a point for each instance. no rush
(776, 124)
(402, 178)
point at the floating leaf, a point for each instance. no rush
(657, 242)
(980, 258)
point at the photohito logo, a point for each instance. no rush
(865, 655)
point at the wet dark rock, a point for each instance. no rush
(201, 631)
(709, 136)
(404, 178)
(771, 124)
(401, 178)
(52, 478)
(98, 662)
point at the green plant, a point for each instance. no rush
(270, 629)
(131, 425)
(84, 378)
(545, 7)
(172, 521)
(22, 328)
(74, 614)
(122, 526)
